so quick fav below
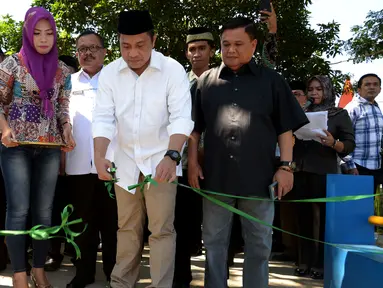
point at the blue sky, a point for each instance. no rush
(347, 12)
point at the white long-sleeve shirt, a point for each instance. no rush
(146, 110)
(80, 160)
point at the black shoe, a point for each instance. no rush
(75, 283)
(316, 275)
(3, 266)
(301, 272)
(53, 263)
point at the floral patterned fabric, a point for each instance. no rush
(21, 104)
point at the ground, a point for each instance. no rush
(281, 274)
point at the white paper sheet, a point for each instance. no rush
(318, 123)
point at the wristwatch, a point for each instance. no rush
(174, 155)
(288, 165)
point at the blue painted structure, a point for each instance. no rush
(347, 224)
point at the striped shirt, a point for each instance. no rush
(367, 120)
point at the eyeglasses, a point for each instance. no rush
(92, 49)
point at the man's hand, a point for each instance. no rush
(8, 138)
(166, 170)
(353, 171)
(68, 138)
(285, 181)
(102, 166)
(194, 172)
(271, 19)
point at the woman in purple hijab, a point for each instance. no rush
(34, 120)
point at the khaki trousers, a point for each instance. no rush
(159, 204)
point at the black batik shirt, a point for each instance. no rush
(242, 114)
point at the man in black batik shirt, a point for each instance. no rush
(244, 110)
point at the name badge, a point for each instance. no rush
(79, 92)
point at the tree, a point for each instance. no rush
(300, 47)
(367, 41)
(10, 34)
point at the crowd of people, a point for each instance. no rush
(66, 122)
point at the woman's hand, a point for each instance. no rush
(8, 138)
(68, 138)
(327, 140)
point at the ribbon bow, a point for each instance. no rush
(109, 184)
(40, 232)
(141, 185)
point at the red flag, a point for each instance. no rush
(347, 94)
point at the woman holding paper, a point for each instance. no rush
(314, 159)
(34, 99)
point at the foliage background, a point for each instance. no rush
(303, 51)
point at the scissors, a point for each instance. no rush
(112, 171)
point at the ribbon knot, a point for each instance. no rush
(109, 184)
(40, 232)
(148, 179)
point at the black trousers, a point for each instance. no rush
(187, 223)
(61, 200)
(277, 235)
(377, 174)
(311, 218)
(93, 204)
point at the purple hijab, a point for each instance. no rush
(42, 67)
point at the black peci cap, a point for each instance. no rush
(135, 22)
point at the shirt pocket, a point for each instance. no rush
(155, 106)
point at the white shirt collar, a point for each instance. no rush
(86, 75)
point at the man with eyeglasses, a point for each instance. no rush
(89, 195)
(299, 88)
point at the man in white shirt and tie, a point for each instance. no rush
(145, 97)
(89, 194)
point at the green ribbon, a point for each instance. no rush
(204, 193)
(252, 218)
(313, 200)
(141, 185)
(109, 184)
(40, 232)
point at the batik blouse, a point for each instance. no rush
(22, 106)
